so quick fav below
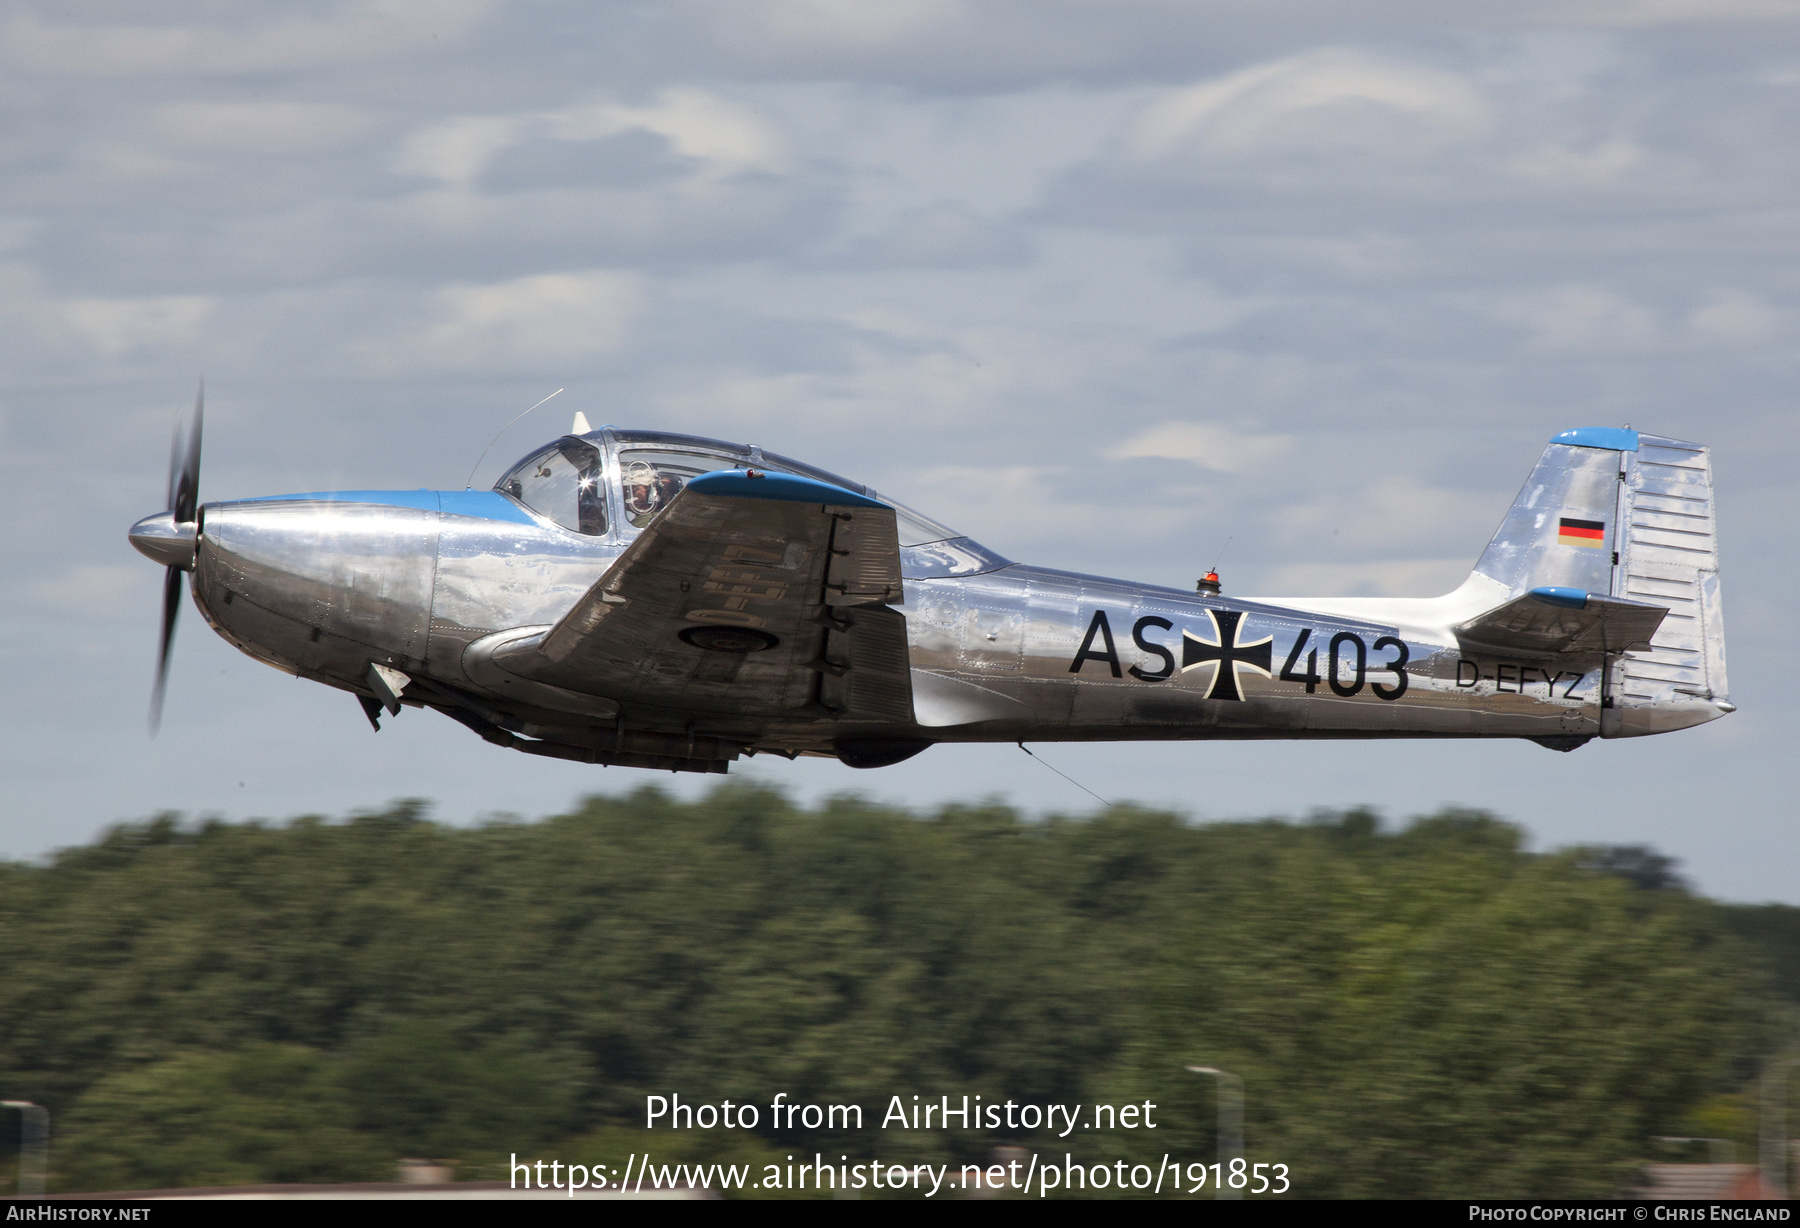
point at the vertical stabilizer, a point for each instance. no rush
(1611, 511)
(1562, 529)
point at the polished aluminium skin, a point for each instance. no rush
(1594, 612)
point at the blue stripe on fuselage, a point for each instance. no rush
(479, 504)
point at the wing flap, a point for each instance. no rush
(876, 682)
(865, 561)
(1549, 622)
(753, 596)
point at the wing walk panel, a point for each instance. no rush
(803, 564)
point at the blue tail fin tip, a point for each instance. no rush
(1617, 438)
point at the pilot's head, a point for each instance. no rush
(642, 490)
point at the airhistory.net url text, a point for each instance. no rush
(1026, 1175)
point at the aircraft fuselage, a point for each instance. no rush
(455, 600)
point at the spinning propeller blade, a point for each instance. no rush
(184, 504)
(184, 482)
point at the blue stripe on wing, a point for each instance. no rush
(786, 487)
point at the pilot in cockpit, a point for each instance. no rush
(647, 491)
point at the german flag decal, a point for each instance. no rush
(1581, 532)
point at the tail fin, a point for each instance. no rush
(1561, 531)
(1614, 512)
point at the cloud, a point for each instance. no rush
(456, 151)
(943, 235)
(1586, 319)
(1597, 165)
(843, 24)
(1010, 506)
(1648, 13)
(1737, 318)
(715, 136)
(959, 44)
(116, 326)
(1386, 513)
(725, 136)
(260, 127)
(1375, 578)
(1441, 156)
(1206, 444)
(94, 590)
(548, 319)
(360, 31)
(1330, 101)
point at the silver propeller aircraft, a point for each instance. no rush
(654, 600)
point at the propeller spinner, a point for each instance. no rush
(172, 538)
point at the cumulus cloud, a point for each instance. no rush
(1387, 577)
(274, 127)
(1390, 512)
(1580, 319)
(1649, 13)
(716, 137)
(987, 44)
(843, 24)
(549, 320)
(93, 590)
(946, 235)
(1736, 318)
(117, 326)
(1206, 444)
(1331, 101)
(1019, 507)
(455, 151)
(726, 137)
(1597, 165)
(267, 41)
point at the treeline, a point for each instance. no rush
(1426, 1012)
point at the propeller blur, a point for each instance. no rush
(171, 539)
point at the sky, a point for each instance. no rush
(1115, 286)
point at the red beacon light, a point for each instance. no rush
(1209, 583)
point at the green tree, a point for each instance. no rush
(267, 1113)
(1432, 1010)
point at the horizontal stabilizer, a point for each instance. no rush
(1552, 621)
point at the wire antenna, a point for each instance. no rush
(1221, 558)
(496, 439)
(1068, 778)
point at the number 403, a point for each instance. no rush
(1347, 644)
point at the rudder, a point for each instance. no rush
(1670, 555)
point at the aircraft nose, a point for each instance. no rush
(160, 539)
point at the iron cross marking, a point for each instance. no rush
(1226, 653)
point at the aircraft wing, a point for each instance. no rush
(1553, 621)
(760, 595)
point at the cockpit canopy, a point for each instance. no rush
(567, 481)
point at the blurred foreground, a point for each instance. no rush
(1427, 1013)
